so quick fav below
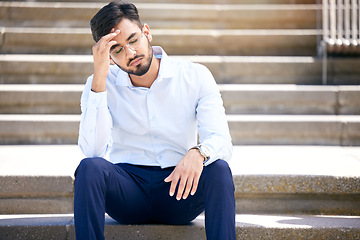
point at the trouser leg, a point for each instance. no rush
(218, 188)
(100, 187)
(89, 199)
(215, 195)
(133, 194)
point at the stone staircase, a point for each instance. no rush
(296, 162)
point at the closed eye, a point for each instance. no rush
(117, 52)
(132, 42)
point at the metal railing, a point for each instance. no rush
(341, 29)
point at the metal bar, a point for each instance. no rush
(325, 16)
(339, 23)
(347, 23)
(353, 22)
(332, 22)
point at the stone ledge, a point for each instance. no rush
(258, 42)
(245, 129)
(238, 99)
(47, 68)
(164, 15)
(247, 226)
(268, 179)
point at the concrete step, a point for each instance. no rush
(197, 1)
(160, 15)
(238, 99)
(40, 98)
(268, 179)
(39, 129)
(74, 69)
(298, 130)
(253, 42)
(276, 227)
(290, 99)
(342, 130)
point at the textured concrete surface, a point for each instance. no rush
(39, 129)
(292, 129)
(211, 1)
(20, 68)
(248, 227)
(233, 42)
(238, 99)
(202, 16)
(246, 160)
(244, 129)
(268, 179)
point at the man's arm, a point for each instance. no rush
(213, 133)
(213, 127)
(96, 122)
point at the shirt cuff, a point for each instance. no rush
(97, 100)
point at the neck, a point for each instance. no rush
(148, 78)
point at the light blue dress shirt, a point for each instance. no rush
(155, 126)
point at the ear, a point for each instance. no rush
(147, 32)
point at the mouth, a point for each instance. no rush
(135, 61)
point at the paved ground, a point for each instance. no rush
(275, 221)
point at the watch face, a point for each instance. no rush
(206, 151)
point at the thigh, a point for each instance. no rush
(171, 211)
(214, 185)
(127, 195)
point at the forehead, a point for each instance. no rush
(127, 28)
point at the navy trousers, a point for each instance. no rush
(133, 194)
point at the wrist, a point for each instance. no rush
(98, 85)
(203, 151)
(196, 154)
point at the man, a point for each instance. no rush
(146, 110)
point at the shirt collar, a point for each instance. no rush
(166, 69)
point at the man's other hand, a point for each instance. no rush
(188, 172)
(101, 55)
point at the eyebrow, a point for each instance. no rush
(131, 36)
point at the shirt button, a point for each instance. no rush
(160, 157)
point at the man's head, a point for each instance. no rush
(122, 16)
(110, 15)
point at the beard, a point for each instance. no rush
(143, 67)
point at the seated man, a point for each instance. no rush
(147, 109)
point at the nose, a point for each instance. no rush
(130, 53)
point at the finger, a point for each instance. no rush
(169, 178)
(195, 185)
(189, 184)
(174, 183)
(181, 188)
(109, 45)
(102, 43)
(110, 36)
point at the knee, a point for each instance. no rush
(219, 174)
(90, 167)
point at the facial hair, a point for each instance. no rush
(143, 67)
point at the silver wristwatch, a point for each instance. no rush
(204, 151)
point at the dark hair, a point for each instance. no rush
(110, 15)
